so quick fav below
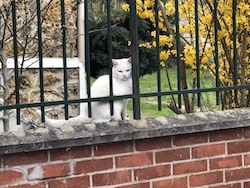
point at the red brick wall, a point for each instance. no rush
(218, 159)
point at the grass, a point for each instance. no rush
(148, 83)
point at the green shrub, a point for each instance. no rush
(120, 47)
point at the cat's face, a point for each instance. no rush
(122, 68)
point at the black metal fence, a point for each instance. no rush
(235, 56)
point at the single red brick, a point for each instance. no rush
(247, 159)
(190, 139)
(25, 158)
(247, 132)
(208, 150)
(70, 153)
(152, 172)
(139, 185)
(76, 182)
(112, 178)
(10, 176)
(233, 185)
(238, 174)
(206, 178)
(153, 143)
(134, 160)
(225, 162)
(49, 171)
(190, 167)
(246, 184)
(172, 155)
(238, 147)
(113, 148)
(33, 185)
(229, 134)
(171, 183)
(83, 167)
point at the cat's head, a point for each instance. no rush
(122, 68)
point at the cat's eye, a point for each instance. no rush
(128, 70)
(120, 71)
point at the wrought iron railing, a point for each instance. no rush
(180, 91)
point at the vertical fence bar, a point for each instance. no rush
(216, 51)
(109, 42)
(178, 50)
(235, 74)
(135, 59)
(87, 54)
(65, 79)
(157, 38)
(17, 81)
(40, 54)
(197, 46)
(81, 53)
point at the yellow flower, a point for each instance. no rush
(146, 45)
(193, 73)
(243, 6)
(206, 34)
(148, 3)
(162, 26)
(146, 14)
(165, 40)
(242, 19)
(163, 64)
(204, 60)
(173, 52)
(170, 8)
(221, 34)
(213, 66)
(153, 34)
(207, 19)
(189, 55)
(139, 2)
(125, 7)
(164, 55)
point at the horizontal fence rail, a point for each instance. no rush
(187, 37)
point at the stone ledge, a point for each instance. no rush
(69, 136)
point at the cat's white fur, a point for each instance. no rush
(122, 85)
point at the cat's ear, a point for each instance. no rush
(114, 62)
(130, 59)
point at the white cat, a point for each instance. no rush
(122, 85)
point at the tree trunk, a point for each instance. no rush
(182, 63)
(6, 113)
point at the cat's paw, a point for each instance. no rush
(116, 118)
(100, 121)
